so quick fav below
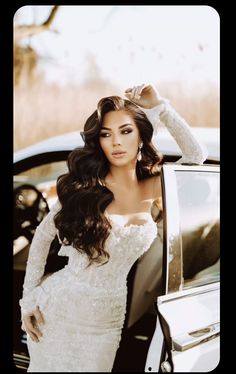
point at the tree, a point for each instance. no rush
(25, 57)
(23, 31)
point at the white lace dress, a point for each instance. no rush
(84, 307)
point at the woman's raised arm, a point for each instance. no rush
(159, 109)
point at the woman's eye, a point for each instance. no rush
(105, 135)
(126, 131)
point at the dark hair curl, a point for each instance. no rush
(82, 192)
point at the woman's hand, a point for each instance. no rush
(144, 95)
(30, 323)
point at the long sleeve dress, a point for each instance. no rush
(84, 307)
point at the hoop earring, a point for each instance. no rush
(139, 156)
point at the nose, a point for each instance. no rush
(116, 140)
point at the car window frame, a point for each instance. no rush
(172, 244)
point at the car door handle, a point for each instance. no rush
(194, 338)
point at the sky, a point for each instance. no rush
(128, 44)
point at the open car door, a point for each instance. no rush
(186, 338)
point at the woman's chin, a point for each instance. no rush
(122, 162)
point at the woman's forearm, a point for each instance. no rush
(192, 150)
(37, 258)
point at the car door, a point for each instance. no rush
(186, 338)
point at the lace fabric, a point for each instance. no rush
(44, 234)
(84, 307)
(193, 151)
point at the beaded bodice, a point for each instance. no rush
(125, 245)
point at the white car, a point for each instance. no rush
(172, 319)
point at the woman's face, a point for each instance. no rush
(119, 138)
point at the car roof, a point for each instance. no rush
(164, 142)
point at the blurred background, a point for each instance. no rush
(67, 57)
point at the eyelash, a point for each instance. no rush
(103, 135)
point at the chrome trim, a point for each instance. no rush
(173, 253)
(21, 361)
(181, 167)
(166, 367)
(192, 339)
(189, 292)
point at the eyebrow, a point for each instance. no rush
(120, 127)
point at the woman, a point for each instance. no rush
(74, 317)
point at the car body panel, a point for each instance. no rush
(203, 358)
(190, 320)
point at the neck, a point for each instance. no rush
(125, 177)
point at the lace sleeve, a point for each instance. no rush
(44, 234)
(192, 150)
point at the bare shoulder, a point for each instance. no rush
(153, 187)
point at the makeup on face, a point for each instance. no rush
(127, 129)
(119, 136)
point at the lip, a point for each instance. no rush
(118, 154)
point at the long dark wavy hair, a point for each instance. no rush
(82, 192)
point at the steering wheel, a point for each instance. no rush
(30, 207)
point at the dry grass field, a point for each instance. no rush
(42, 110)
